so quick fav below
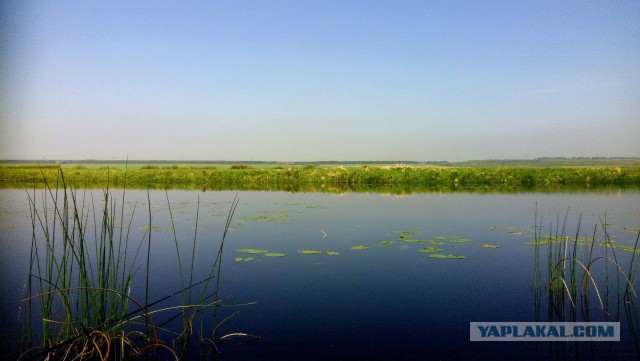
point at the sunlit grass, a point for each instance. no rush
(326, 179)
(79, 298)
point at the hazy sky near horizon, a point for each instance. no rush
(319, 80)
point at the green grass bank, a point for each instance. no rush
(310, 177)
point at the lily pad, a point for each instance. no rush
(410, 240)
(255, 218)
(440, 237)
(429, 249)
(446, 256)
(515, 233)
(359, 247)
(385, 243)
(251, 250)
(461, 240)
(624, 248)
(331, 253)
(486, 245)
(309, 251)
(240, 259)
(274, 254)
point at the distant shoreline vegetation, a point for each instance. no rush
(536, 162)
(325, 177)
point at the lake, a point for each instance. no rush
(387, 301)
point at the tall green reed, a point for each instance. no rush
(79, 288)
(578, 274)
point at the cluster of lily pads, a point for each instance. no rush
(263, 252)
(436, 245)
(266, 253)
(586, 241)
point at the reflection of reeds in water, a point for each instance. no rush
(78, 302)
(584, 285)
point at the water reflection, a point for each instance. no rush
(388, 301)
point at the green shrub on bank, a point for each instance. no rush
(241, 166)
(330, 177)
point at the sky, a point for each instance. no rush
(319, 80)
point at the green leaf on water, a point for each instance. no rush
(440, 237)
(461, 240)
(251, 250)
(359, 247)
(446, 256)
(515, 233)
(274, 254)
(486, 245)
(255, 218)
(538, 243)
(385, 243)
(240, 259)
(624, 248)
(309, 251)
(429, 249)
(410, 240)
(331, 253)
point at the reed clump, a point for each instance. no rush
(586, 279)
(81, 301)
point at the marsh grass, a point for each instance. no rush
(79, 303)
(583, 283)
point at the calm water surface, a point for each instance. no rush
(385, 302)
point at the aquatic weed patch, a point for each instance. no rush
(446, 256)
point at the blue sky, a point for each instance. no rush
(319, 80)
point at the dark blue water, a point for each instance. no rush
(385, 302)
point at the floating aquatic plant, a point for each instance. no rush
(446, 256)
(240, 259)
(251, 250)
(331, 253)
(309, 251)
(385, 243)
(273, 254)
(411, 240)
(429, 249)
(486, 245)
(360, 247)
(624, 248)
